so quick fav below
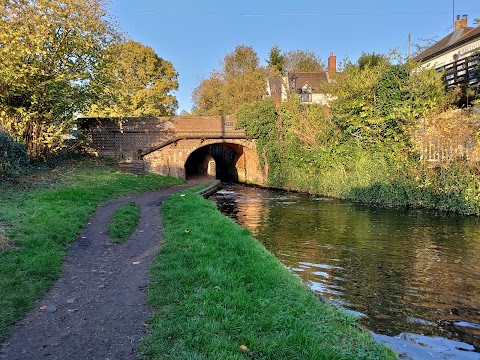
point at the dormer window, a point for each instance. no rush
(306, 93)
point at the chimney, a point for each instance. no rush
(461, 23)
(332, 65)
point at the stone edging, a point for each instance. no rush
(210, 189)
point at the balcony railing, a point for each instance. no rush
(465, 72)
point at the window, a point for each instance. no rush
(306, 93)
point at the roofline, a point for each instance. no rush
(448, 48)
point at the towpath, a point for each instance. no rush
(96, 309)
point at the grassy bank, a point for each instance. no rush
(221, 295)
(41, 215)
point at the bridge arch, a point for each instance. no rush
(163, 145)
(224, 159)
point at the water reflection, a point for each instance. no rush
(404, 271)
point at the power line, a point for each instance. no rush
(279, 14)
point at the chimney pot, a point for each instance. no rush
(461, 22)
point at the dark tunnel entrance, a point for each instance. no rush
(216, 161)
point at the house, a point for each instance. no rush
(457, 55)
(307, 85)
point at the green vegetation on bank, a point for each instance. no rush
(221, 295)
(123, 222)
(390, 136)
(41, 215)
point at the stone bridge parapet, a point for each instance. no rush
(166, 143)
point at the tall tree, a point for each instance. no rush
(242, 61)
(141, 84)
(51, 55)
(239, 81)
(276, 61)
(379, 103)
(208, 97)
(303, 60)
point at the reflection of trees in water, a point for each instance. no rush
(364, 263)
(249, 210)
(446, 281)
(396, 266)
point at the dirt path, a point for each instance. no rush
(96, 309)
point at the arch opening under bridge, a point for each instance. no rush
(225, 161)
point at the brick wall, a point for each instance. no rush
(129, 138)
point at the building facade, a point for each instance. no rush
(308, 86)
(457, 55)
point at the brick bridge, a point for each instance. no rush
(178, 146)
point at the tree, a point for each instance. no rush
(371, 60)
(354, 109)
(185, 113)
(239, 81)
(276, 61)
(260, 121)
(51, 56)
(208, 97)
(303, 60)
(243, 60)
(422, 45)
(378, 103)
(141, 84)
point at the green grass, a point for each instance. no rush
(42, 214)
(216, 289)
(123, 223)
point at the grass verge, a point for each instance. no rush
(221, 295)
(123, 222)
(43, 214)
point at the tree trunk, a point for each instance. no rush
(32, 137)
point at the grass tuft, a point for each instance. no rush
(123, 223)
(221, 295)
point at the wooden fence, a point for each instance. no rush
(450, 137)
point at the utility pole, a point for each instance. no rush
(409, 43)
(453, 14)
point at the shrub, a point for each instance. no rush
(13, 156)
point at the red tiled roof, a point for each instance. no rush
(314, 79)
(449, 42)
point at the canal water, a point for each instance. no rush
(412, 276)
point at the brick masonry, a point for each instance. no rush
(165, 143)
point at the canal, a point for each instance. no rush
(412, 276)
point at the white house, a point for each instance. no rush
(457, 54)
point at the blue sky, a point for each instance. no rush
(195, 35)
